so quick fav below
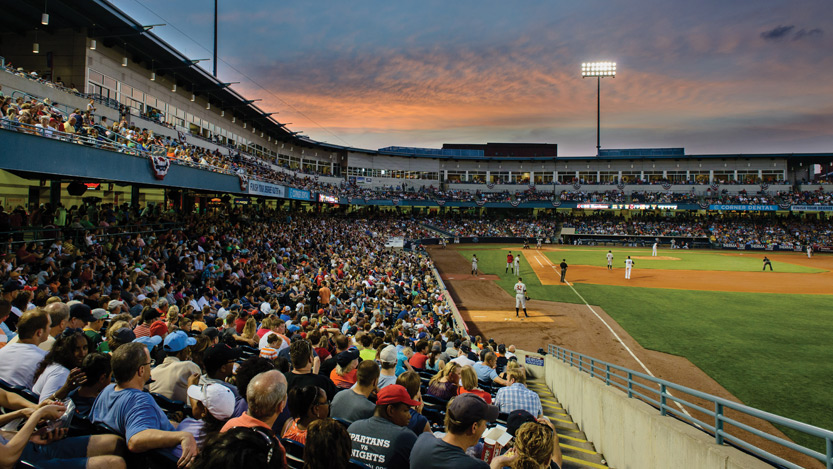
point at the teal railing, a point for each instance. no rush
(658, 393)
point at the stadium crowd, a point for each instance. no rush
(252, 330)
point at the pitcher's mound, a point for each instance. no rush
(656, 258)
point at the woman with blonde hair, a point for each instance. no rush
(468, 378)
(444, 383)
(173, 317)
(536, 444)
(250, 329)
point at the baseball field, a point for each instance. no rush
(710, 320)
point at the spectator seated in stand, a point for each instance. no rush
(354, 404)
(384, 440)
(133, 414)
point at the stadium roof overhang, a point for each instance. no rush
(111, 27)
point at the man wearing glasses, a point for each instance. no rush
(132, 413)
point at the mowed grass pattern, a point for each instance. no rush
(772, 351)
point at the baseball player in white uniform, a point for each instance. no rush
(539, 243)
(474, 264)
(520, 298)
(516, 269)
(609, 260)
(654, 252)
(628, 267)
(809, 251)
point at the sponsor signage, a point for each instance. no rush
(329, 199)
(812, 208)
(537, 361)
(628, 206)
(265, 188)
(744, 208)
(594, 206)
(297, 194)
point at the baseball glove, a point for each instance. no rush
(526, 298)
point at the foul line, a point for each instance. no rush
(618, 339)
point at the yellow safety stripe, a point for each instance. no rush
(576, 448)
(582, 461)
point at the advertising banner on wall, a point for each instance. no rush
(265, 189)
(297, 194)
(744, 208)
(811, 208)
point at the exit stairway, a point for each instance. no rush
(575, 449)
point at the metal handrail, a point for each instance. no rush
(661, 396)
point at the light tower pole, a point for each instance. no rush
(598, 70)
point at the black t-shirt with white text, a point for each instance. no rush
(380, 443)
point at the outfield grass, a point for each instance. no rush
(687, 260)
(772, 351)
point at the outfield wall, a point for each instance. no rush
(630, 433)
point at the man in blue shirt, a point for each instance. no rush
(133, 414)
(516, 396)
(486, 370)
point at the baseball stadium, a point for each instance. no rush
(647, 307)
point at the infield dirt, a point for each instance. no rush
(489, 311)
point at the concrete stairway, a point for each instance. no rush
(576, 450)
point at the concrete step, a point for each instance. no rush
(576, 451)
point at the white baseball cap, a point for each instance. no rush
(217, 399)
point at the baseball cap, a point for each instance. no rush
(177, 341)
(395, 394)
(124, 335)
(218, 355)
(158, 328)
(100, 313)
(150, 342)
(82, 312)
(115, 304)
(465, 348)
(516, 419)
(211, 332)
(10, 286)
(344, 358)
(469, 408)
(217, 399)
(388, 354)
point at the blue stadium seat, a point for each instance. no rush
(171, 407)
(20, 391)
(294, 453)
(343, 422)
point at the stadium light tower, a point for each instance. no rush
(598, 70)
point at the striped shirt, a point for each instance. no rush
(268, 353)
(142, 330)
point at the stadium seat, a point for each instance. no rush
(20, 391)
(502, 417)
(294, 453)
(343, 422)
(172, 408)
(434, 401)
(154, 459)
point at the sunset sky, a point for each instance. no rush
(711, 76)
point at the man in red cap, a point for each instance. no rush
(384, 440)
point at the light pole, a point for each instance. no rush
(598, 70)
